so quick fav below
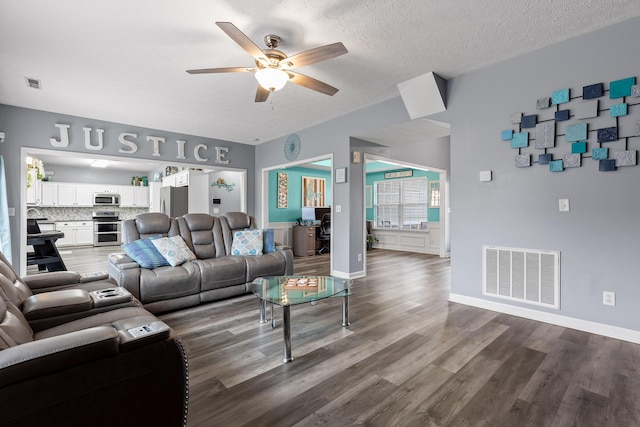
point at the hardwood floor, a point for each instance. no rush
(409, 358)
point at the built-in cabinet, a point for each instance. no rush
(180, 179)
(33, 188)
(133, 196)
(67, 194)
(76, 233)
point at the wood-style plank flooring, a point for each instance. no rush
(409, 358)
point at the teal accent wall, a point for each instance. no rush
(433, 214)
(294, 211)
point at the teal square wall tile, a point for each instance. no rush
(507, 135)
(579, 147)
(618, 110)
(599, 153)
(520, 140)
(560, 96)
(556, 166)
(621, 88)
(575, 133)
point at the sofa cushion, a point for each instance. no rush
(247, 242)
(174, 250)
(221, 272)
(145, 253)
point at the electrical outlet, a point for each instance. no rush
(563, 205)
(609, 298)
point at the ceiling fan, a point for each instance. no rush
(273, 67)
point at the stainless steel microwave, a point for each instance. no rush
(106, 199)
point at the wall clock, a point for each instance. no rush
(292, 147)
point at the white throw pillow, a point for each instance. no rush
(247, 242)
(174, 250)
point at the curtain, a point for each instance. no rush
(5, 225)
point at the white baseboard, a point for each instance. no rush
(345, 275)
(555, 319)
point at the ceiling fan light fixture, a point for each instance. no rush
(272, 79)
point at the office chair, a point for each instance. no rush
(324, 234)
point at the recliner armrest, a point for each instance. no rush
(121, 261)
(51, 279)
(56, 303)
(52, 354)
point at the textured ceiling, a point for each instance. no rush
(124, 61)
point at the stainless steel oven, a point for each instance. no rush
(107, 229)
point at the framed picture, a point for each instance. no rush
(341, 175)
(283, 190)
(313, 191)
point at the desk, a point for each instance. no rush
(45, 253)
(304, 240)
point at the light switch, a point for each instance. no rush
(338, 208)
(564, 205)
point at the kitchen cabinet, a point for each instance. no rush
(66, 194)
(134, 196)
(106, 188)
(33, 188)
(76, 233)
(180, 179)
(49, 194)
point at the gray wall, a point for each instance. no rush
(335, 138)
(231, 201)
(32, 128)
(598, 239)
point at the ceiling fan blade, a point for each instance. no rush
(221, 70)
(262, 94)
(311, 83)
(317, 54)
(244, 41)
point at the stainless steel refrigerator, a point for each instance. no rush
(174, 201)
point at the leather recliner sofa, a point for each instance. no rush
(214, 274)
(94, 361)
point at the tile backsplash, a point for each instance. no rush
(80, 214)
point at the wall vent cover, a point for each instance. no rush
(33, 83)
(529, 276)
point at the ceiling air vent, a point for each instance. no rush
(33, 83)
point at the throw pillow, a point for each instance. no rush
(269, 244)
(145, 253)
(247, 242)
(174, 250)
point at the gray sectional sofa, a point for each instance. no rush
(75, 350)
(214, 274)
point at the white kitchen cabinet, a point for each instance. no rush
(154, 196)
(76, 233)
(74, 195)
(134, 196)
(106, 188)
(180, 179)
(33, 188)
(49, 194)
(169, 181)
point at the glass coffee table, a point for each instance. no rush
(286, 291)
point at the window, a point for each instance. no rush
(401, 203)
(434, 194)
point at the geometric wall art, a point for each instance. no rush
(625, 158)
(546, 134)
(575, 133)
(523, 160)
(586, 109)
(586, 122)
